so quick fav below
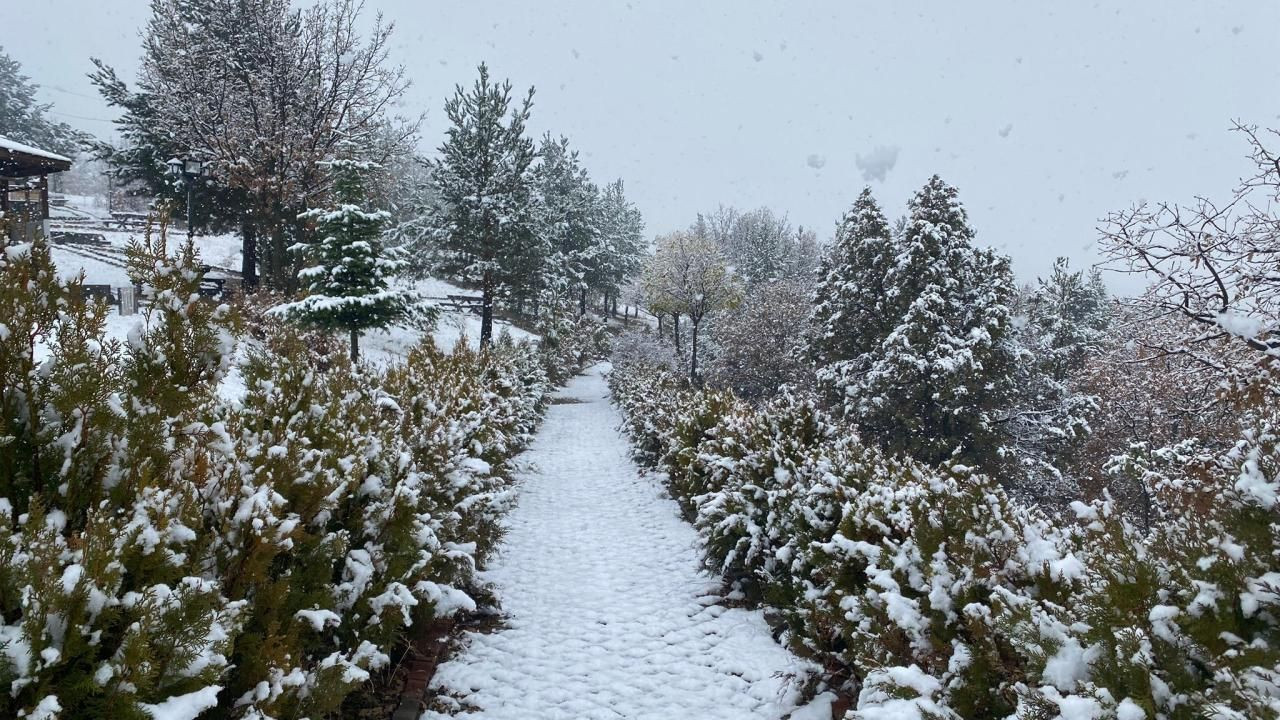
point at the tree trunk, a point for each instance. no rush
(486, 312)
(693, 354)
(582, 303)
(659, 324)
(355, 345)
(249, 253)
(675, 330)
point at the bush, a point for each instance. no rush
(256, 556)
(926, 592)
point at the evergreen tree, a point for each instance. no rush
(484, 220)
(24, 119)
(1067, 317)
(347, 273)
(849, 317)
(1060, 324)
(935, 381)
(622, 242)
(568, 221)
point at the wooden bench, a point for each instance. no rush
(127, 220)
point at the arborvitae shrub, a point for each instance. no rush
(926, 592)
(258, 554)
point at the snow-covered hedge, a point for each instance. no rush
(928, 593)
(166, 552)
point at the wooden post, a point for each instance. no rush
(4, 205)
(44, 198)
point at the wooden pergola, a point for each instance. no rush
(24, 186)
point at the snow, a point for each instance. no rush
(96, 272)
(15, 146)
(184, 707)
(319, 619)
(608, 613)
(875, 165)
(1069, 666)
(1242, 325)
(47, 709)
(1130, 710)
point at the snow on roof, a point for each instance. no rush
(13, 146)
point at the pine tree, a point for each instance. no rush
(1061, 324)
(1067, 315)
(945, 367)
(24, 119)
(568, 222)
(484, 219)
(621, 241)
(347, 274)
(850, 316)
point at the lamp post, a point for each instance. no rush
(189, 171)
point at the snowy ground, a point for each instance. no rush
(608, 612)
(103, 266)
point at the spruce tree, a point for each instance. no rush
(347, 274)
(484, 218)
(849, 314)
(934, 382)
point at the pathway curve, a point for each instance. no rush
(608, 614)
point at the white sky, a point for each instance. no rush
(1046, 116)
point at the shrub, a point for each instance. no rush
(927, 592)
(251, 557)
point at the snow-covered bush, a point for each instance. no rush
(927, 592)
(162, 545)
(570, 344)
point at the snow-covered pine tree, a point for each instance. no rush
(850, 317)
(1068, 314)
(568, 223)
(1060, 323)
(347, 274)
(484, 220)
(622, 241)
(935, 382)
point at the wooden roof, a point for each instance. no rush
(18, 160)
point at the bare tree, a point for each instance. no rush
(1214, 264)
(262, 91)
(688, 276)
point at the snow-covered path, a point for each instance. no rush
(608, 614)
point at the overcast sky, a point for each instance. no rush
(1046, 119)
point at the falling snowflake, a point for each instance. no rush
(876, 164)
